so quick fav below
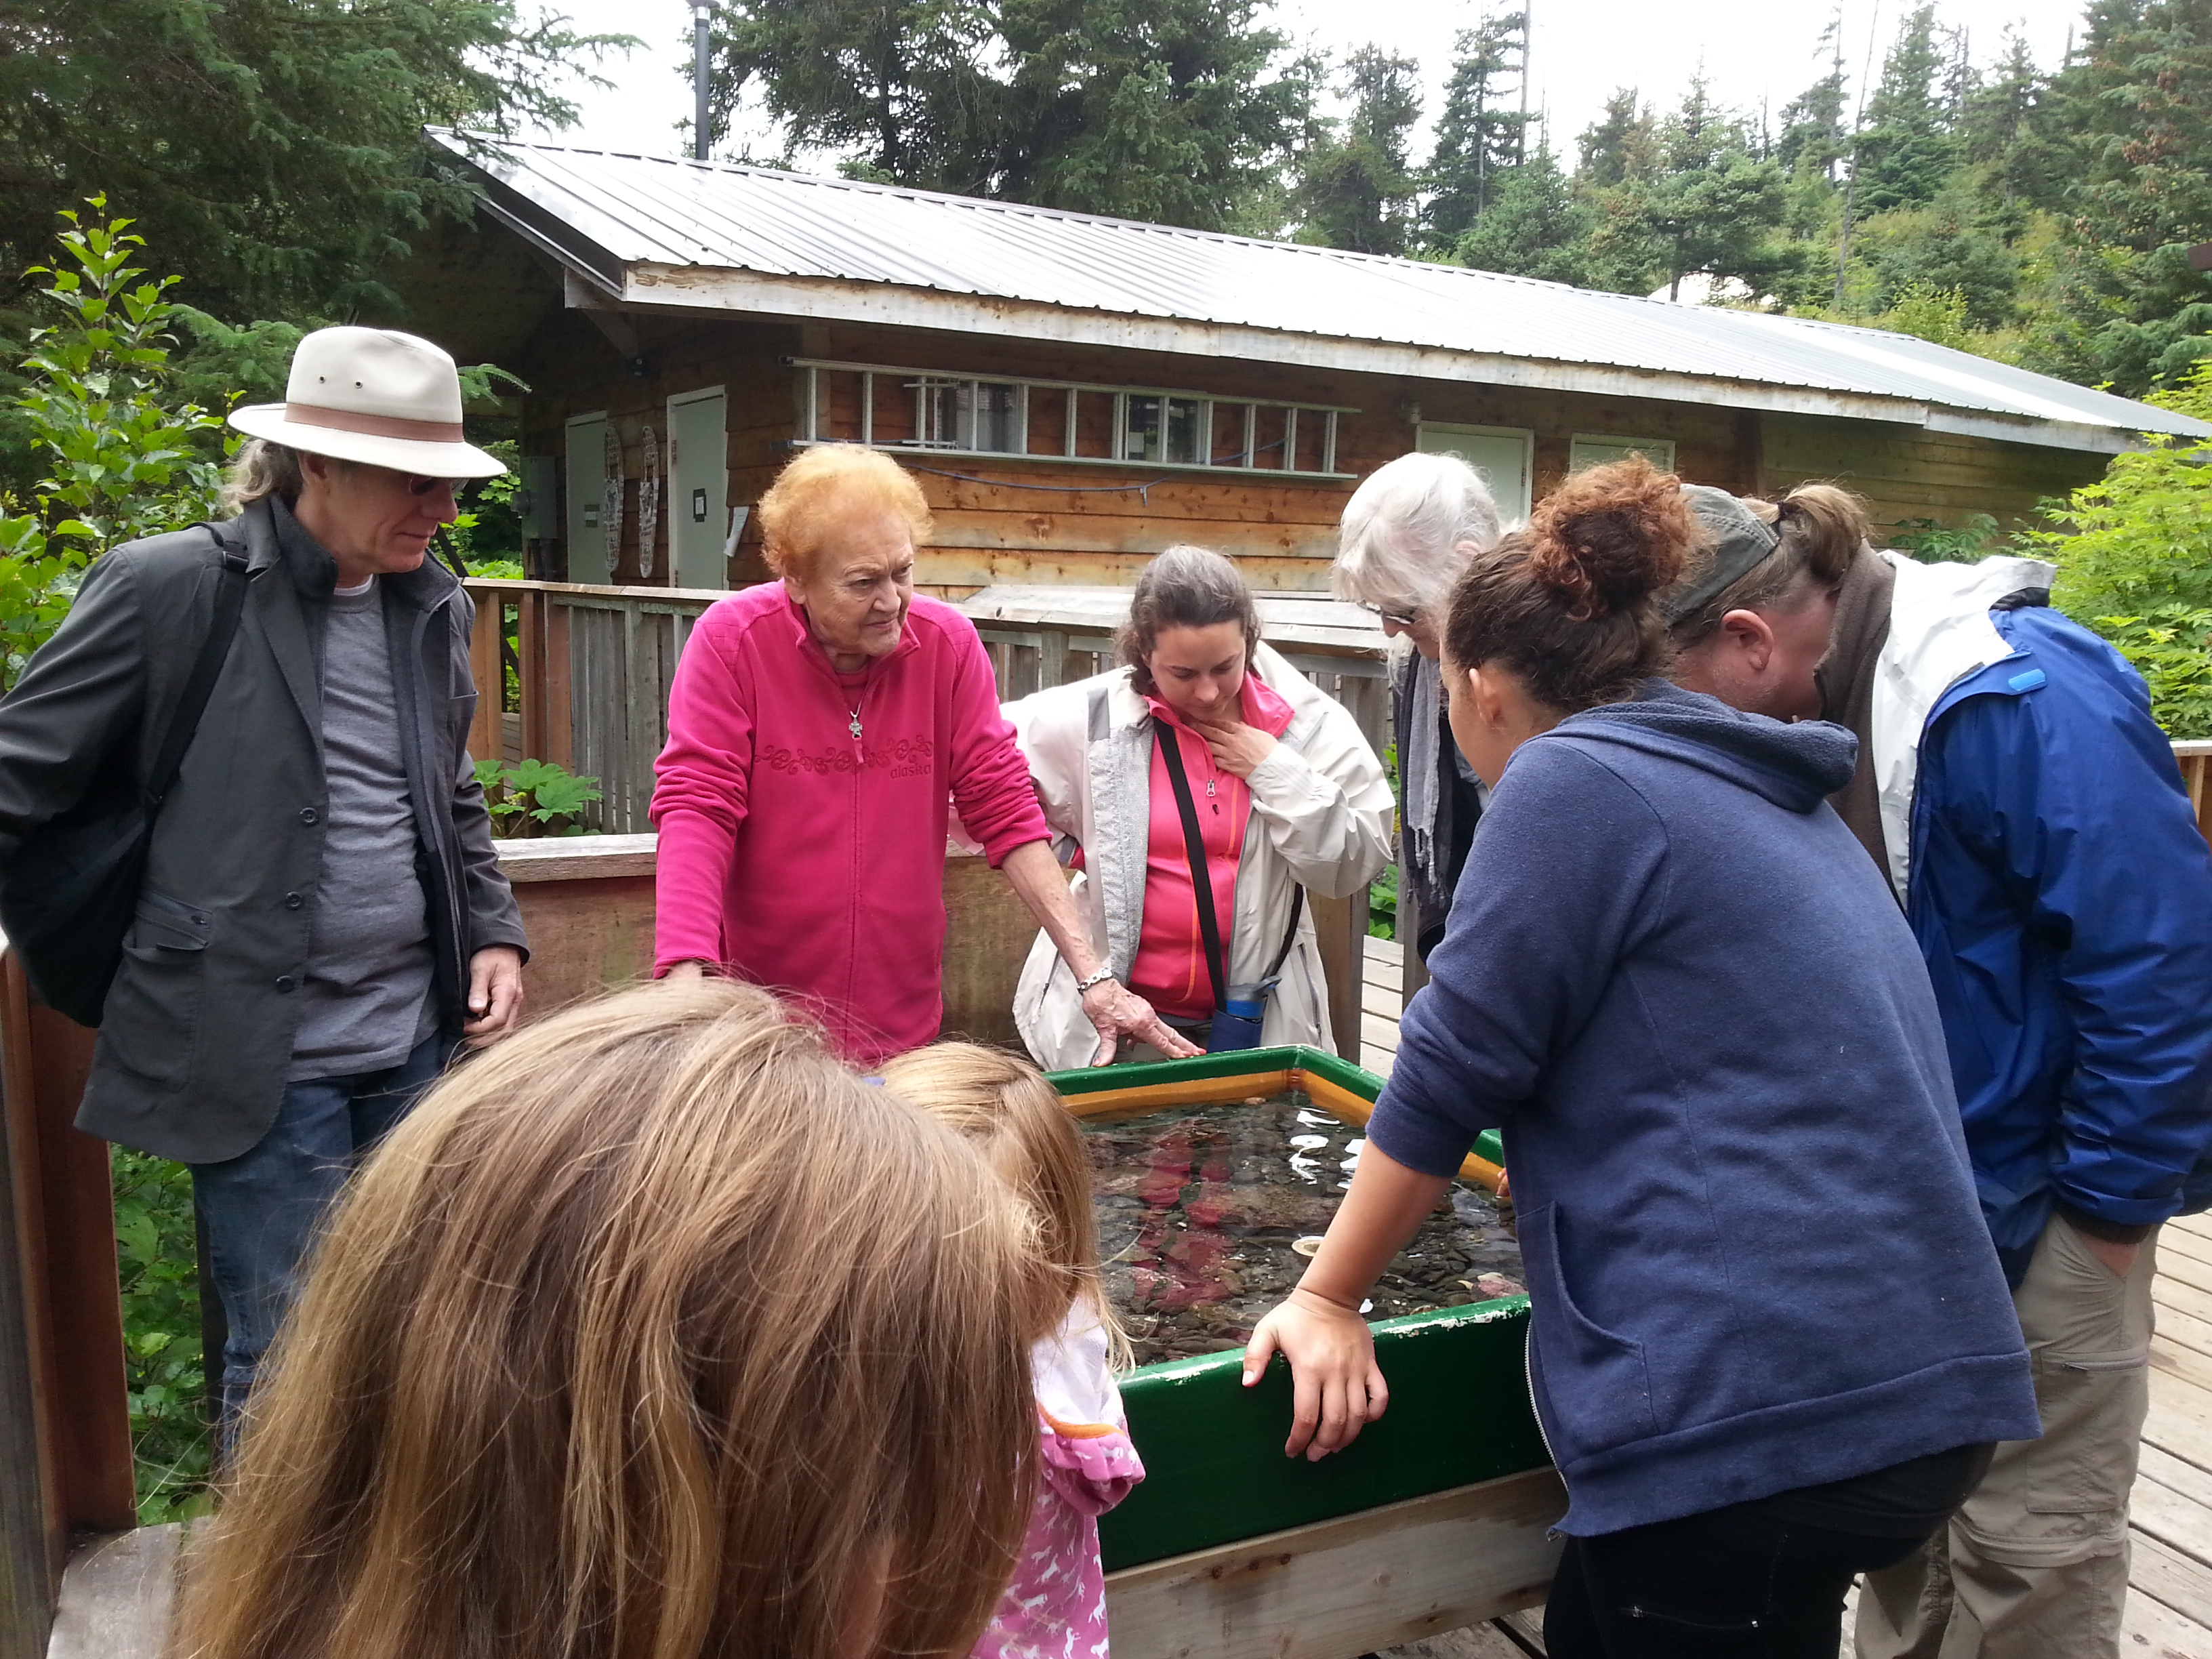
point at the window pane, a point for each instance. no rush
(1140, 437)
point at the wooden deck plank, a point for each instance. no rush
(2187, 1402)
(2185, 1330)
(2183, 1584)
(2172, 1238)
(2200, 1224)
(2186, 1270)
(2171, 1293)
(2175, 1519)
(2181, 1361)
(2151, 1630)
(2177, 1436)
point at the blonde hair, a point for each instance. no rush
(1008, 1107)
(654, 1333)
(1408, 532)
(824, 491)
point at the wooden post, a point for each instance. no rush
(2195, 759)
(60, 1258)
(1340, 928)
(557, 695)
(486, 671)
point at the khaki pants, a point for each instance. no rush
(2035, 1565)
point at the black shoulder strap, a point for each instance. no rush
(1289, 933)
(1194, 846)
(229, 601)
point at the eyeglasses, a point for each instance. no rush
(419, 486)
(1396, 619)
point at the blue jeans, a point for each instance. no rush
(262, 1210)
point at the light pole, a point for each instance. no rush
(702, 12)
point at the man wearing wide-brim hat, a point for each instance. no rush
(322, 920)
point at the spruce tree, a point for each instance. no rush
(1355, 186)
(1906, 151)
(1536, 227)
(1479, 135)
(1619, 145)
(2135, 104)
(1812, 139)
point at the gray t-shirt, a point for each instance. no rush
(367, 986)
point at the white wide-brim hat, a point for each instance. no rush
(375, 395)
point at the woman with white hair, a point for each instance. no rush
(1407, 534)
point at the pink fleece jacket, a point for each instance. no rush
(804, 860)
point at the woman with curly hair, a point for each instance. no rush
(1769, 1343)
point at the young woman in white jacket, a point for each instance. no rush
(1287, 793)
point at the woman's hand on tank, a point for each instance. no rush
(1116, 1011)
(1337, 1388)
(1238, 748)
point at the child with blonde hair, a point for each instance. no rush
(591, 1366)
(1057, 1605)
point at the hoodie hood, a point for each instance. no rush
(1796, 766)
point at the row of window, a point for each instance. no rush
(907, 409)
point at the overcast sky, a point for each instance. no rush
(1751, 51)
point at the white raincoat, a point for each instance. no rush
(1321, 818)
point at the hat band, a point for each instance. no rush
(375, 426)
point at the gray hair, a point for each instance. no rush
(260, 468)
(1407, 531)
(1186, 586)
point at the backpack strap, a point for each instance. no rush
(229, 604)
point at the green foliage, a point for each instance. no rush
(1176, 111)
(1933, 542)
(2140, 538)
(1536, 227)
(163, 1365)
(489, 530)
(2134, 552)
(273, 149)
(121, 459)
(1356, 184)
(1383, 905)
(2172, 649)
(534, 798)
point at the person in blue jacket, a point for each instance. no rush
(2028, 814)
(1770, 1346)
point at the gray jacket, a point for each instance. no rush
(198, 1031)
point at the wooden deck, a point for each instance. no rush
(2170, 1609)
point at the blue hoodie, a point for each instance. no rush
(1754, 1254)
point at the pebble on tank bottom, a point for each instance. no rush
(1201, 1210)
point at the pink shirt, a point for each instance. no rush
(1055, 1607)
(803, 859)
(1170, 971)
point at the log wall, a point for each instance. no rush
(1909, 472)
(1036, 521)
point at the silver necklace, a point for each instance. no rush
(854, 728)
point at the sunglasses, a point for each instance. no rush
(1398, 618)
(420, 486)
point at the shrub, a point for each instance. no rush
(534, 798)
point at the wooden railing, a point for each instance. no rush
(579, 674)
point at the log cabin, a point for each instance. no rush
(1077, 392)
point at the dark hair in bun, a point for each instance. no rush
(1567, 604)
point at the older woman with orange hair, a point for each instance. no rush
(820, 728)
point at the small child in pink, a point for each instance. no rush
(1056, 1607)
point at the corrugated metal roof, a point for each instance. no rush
(604, 213)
